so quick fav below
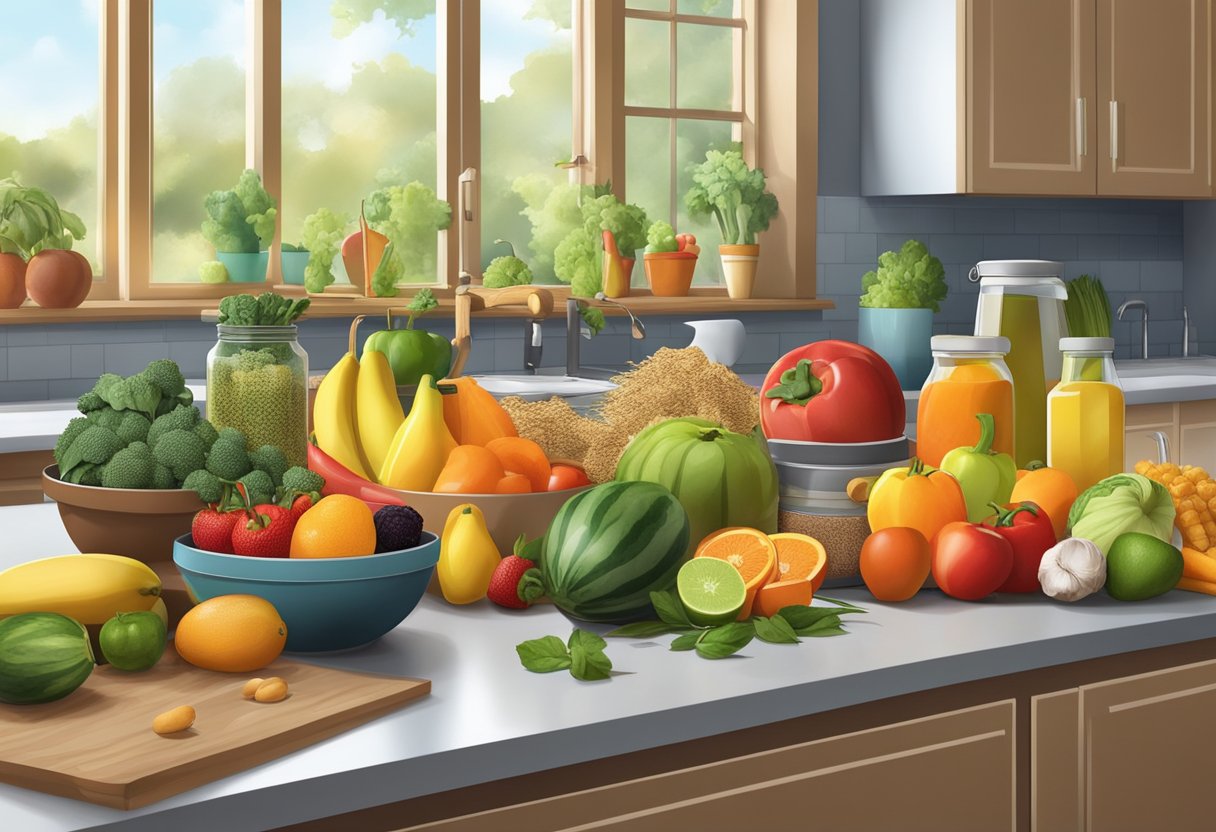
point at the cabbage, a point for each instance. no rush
(1122, 503)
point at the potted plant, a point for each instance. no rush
(725, 187)
(36, 256)
(396, 240)
(240, 224)
(293, 261)
(321, 237)
(599, 255)
(670, 260)
(895, 314)
(506, 270)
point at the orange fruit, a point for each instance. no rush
(339, 526)
(522, 456)
(231, 633)
(800, 556)
(748, 550)
(895, 563)
(770, 598)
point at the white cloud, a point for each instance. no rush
(227, 36)
(46, 48)
(312, 51)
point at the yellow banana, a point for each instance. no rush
(333, 412)
(377, 408)
(421, 445)
(88, 588)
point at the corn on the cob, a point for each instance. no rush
(1194, 493)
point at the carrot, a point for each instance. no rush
(1197, 565)
(1195, 585)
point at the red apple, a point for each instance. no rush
(970, 561)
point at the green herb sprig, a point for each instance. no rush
(583, 655)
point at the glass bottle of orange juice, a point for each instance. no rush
(1085, 413)
(969, 377)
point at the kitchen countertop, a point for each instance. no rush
(473, 729)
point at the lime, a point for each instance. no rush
(711, 590)
(133, 640)
(1140, 566)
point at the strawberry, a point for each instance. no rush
(516, 581)
(300, 504)
(266, 533)
(212, 530)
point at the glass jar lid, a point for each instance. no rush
(1087, 345)
(969, 344)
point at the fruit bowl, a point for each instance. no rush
(327, 603)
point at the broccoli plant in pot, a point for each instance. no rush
(895, 314)
(506, 270)
(734, 194)
(240, 224)
(670, 260)
(599, 254)
(34, 228)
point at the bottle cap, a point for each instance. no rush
(969, 343)
(1087, 345)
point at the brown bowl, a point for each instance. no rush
(138, 523)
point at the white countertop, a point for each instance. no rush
(487, 718)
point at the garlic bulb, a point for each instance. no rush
(1072, 569)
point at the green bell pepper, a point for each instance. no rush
(413, 353)
(984, 475)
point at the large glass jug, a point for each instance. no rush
(1023, 300)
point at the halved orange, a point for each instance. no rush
(800, 556)
(748, 550)
(771, 597)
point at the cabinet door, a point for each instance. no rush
(1197, 435)
(1142, 420)
(1030, 96)
(1153, 94)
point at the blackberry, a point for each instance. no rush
(397, 527)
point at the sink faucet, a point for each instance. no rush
(1143, 307)
(1186, 333)
(574, 327)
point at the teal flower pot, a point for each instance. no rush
(901, 337)
(245, 267)
(293, 267)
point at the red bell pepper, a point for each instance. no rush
(832, 391)
(1029, 531)
(970, 561)
(341, 480)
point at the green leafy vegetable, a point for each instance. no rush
(661, 237)
(506, 271)
(775, 630)
(593, 318)
(389, 272)
(242, 219)
(577, 259)
(670, 610)
(734, 194)
(322, 236)
(32, 221)
(685, 642)
(726, 640)
(409, 215)
(642, 629)
(910, 279)
(553, 213)
(1122, 503)
(266, 309)
(1087, 308)
(212, 271)
(583, 655)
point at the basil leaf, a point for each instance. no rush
(799, 617)
(586, 640)
(543, 655)
(589, 665)
(826, 631)
(826, 623)
(640, 629)
(669, 609)
(686, 641)
(838, 603)
(725, 640)
(775, 630)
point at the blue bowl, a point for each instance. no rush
(327, 603)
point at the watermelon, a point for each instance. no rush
(609, 547)
(723, 479)
(44, 656)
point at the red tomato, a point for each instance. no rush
(970, 561)
(832, 391)
(567, 476)
(895, 563)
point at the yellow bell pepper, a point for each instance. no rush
(918, 497)
(467, 556)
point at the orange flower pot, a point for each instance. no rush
(739, 267)
(669, 273)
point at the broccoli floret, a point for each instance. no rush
(93, 445)
(180, 418)
(87, 473)
(272, 460)
(162, 477)
(227, 458)
(206, 432)
(107, 418)
(133, 427)
(259, 487)
(213, 271)
(661, 237)
(167, 377)
(249, 360)
(301, 480)
(910, 279)
(233, 435)
(89, 402)
(239, 310)
(132, 467)
(506, 271)
(74, 429)
(182, 451)
(132, 393)
(210, 489)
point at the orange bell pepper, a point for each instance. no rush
(523, 456)
(514, 484)
(1050, 489)
(470, 469)
(917, 497)
(473, 416)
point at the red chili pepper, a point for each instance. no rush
(1029, 531)
(341, 480)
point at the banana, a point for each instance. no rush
(377, 408)
(333, 412)
(89, 588)
(421, 445)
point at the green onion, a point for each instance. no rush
(1087, 308)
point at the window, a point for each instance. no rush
(683, 94)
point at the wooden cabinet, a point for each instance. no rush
(1058, 97)
(1189, 428)
(1197, 434)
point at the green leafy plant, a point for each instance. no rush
(734, 194)
(409, 215)
(240, 220)
(322, 236)
(507, 270)
(582, 654)
(213, 271)
(553, 212)
(1087, 308)
(577, 259)
(266, 309)
(661, 237)
(910, 279)
(32, 221)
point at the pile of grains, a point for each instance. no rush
(669, 384)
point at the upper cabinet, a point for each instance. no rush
(1044, 97)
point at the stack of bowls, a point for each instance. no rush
(813, 480)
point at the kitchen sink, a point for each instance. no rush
(1201, 367)
(538, 387)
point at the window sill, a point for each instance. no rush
(699, 302)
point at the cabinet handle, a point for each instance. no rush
(1082, 135)
(1114, 131)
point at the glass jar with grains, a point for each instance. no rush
(257, 383)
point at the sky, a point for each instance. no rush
(49, 50)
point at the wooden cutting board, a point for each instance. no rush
(98, 745)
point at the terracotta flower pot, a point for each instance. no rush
(739, 266)
(669, 273)
(57, 279)
(12, 281)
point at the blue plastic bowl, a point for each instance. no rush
(327, 603)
